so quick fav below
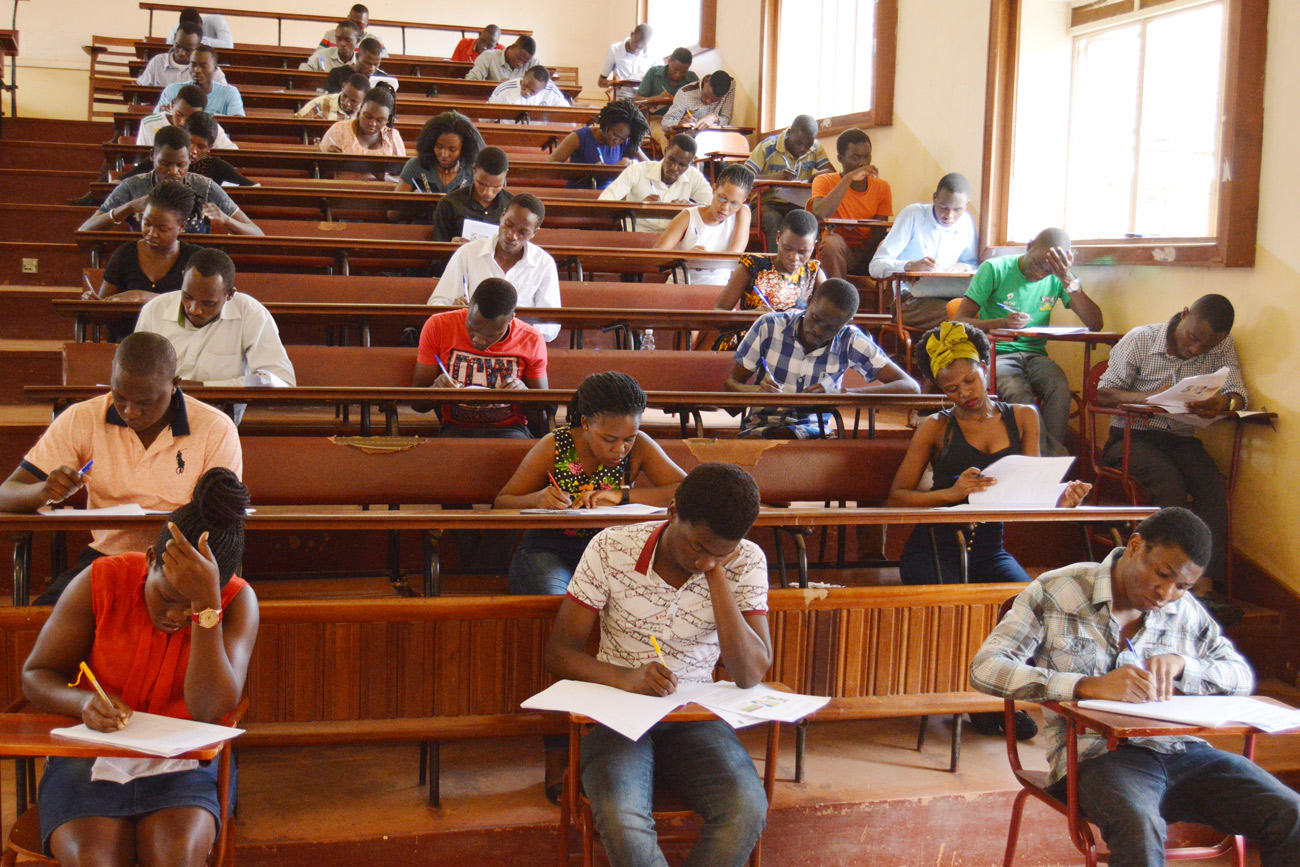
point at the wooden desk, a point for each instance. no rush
(281, 17)
(9, 48)
(894, 285)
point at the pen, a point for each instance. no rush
(555, 483)
(85, 669)
(658, 651)
(464, 282)
(86, 468)
(767, 374)
(1129, 645)
(443, 368)
(758, 293)
(1008, 307)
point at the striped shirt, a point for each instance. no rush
(688, 99)
(1141, 361)
(510, 92)
(1060, 631)
(773, 342)
(772, 155)
(616, 578)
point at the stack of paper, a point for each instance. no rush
(1022, 483)
(625, 509)
(126, 510)
(154, 735)
(1209, 711)
(632, 715)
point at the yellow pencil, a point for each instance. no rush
(85, 669)
(655, 642)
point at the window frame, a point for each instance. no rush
(1240, 146)
(882, 85)
(708, 21)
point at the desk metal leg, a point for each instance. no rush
(955, 755)
(800, 746)
(22, 568)
(435, 768)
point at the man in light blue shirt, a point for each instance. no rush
(934, 236)
(222, 98)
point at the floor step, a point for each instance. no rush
(65, 156)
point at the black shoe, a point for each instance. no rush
(987, 723)
(1223, 611)
(1026, 728)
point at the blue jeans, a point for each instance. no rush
(543, 563)
(703, 762)
(1132, 793)
(987, 560)
(1023, 376)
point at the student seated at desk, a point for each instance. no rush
(485, 199)
(673, 179)
(535, 87)
(721, 226)
(470, 47)
(931, 236)
(149, 441)
(215, 30)
(138, 270)
(372, 131)
(365, 62)
(171, 162)
(222, 98)
(808, 352)
(169, 631)
(326, 58)
(627, 60)
(221, 337)
(792, 155)
(614, 140)
(774, 283)
(481, 346)
(203, 129)
(697, 587)
(338, 106)
(360, 16)
(957, 443)
(708, 102)
(856, 192)
(168, 67)
(1166, 458)
(1019, 292)
(188, 101)
(444, 155)
(500, 64)
(1065, 639)
(509, 255)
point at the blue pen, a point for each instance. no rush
(1008, 307)
(86, 468)
(1129, 645)
(464, 285)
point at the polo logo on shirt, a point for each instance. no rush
(180, 461)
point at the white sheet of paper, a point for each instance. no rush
(127, 510)
(795, 195)
(627, 713)
(1055, 329)
(761, 702)
(1191, 418)
(472, 230)
(154, 735)
(1191, 389)
(1023, 482)
(626, 509)
(1210, 711)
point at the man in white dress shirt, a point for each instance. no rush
(500, 64)
(534, 88)
(511, 255)
(931, 236)
(672, 179)
(172, 66)
(222, 337)
(627, 60)
(215, 30)
(347, 36)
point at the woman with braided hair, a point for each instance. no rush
(591, 462)
(613, 140)
(168, 632)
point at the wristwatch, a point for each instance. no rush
(1073, 286)
(207, 618)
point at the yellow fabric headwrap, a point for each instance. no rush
(950, 344)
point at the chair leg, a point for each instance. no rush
(435, 763)
(920, 733)
(800, 745)
(1013, 831)
(955, 754)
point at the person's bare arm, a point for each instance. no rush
(744, 640)
(824, 207)
(903, 490)
(565, 149)
(530, 487)
(969, 312)
(739, 381)
(740, 232)
(730, 295)
(567, 658)
(23, 492)
(672, 235)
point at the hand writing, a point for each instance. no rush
(103, 717)
(653, 678)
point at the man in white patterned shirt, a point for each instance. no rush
(696, 586)
(1062, 641)
(1166, 458)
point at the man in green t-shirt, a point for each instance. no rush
(1019, 292)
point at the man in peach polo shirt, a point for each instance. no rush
(149, 442)
(856, 192)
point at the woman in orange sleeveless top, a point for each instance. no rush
(169, 632)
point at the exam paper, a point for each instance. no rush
(1023, 483)
(1209, 711)
(472, 230)
(626, 509)
(627, 713)
(1054, 329)
(1191, 389)
(760, 703)
(154, 735)
(126, 510)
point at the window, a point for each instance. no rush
(1132, 124)
(676, 23)
(835, 61)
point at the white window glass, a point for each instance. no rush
(676, 24)
(826, 58)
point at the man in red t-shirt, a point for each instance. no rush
(469, 48)
(481, 346)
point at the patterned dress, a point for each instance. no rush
(770, 289)
(571, 478)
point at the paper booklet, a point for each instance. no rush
(625, 509)
(1023, 482)
(154, 735)
(1209, 711)
(1054, 329)
(1190, 390)
(126, 510)
(472, 230)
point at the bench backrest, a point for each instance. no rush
(545, 237)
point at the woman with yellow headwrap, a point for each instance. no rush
(957, 444)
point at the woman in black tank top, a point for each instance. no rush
(957, 443)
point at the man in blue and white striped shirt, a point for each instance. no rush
(808, 352)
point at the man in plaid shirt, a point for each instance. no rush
(808, 351)
(1062, 641)
(1166, 457)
